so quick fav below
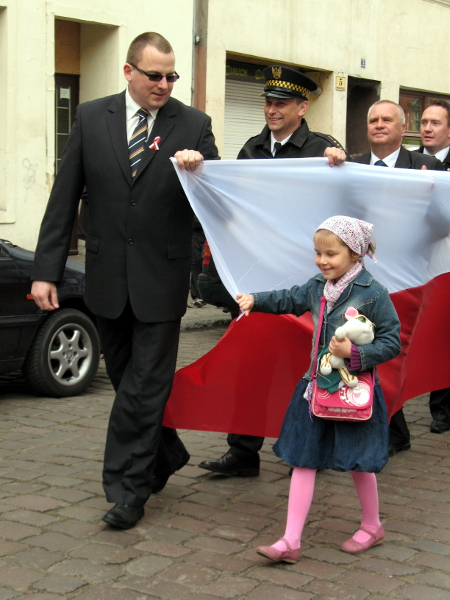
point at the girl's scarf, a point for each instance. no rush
(332, 291)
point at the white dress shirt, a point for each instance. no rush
(441, 155)
(132, 119)
(389, 161)
(273, 140)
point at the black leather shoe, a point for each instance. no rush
(231, 465)
(159, 481)
(439, 426)
(394, 448)
(123, 516)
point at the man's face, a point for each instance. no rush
(284, 116)
(384, 130)
(150, 94)
(435, 129)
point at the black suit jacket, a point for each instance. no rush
(139, 231)
(445, 162)
(407, 160)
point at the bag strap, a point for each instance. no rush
(323, 301)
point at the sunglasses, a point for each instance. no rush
(157, 76)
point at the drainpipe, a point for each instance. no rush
(199, 54)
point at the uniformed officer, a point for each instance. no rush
(286, 135)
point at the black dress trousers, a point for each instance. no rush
(140, 360)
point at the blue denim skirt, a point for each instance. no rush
(308, 441)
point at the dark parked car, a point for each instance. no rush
(211, 287)
(58, 351)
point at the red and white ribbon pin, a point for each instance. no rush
(154, 145)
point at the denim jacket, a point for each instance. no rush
(364, 293)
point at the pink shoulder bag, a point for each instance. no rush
(346, 403)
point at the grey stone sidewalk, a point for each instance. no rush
(197, 538)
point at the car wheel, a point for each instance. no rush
(63, 358)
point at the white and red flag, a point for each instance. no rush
(259, 217)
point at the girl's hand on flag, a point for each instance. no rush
(246, 302)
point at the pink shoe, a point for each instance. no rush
(354, 547)
(289, 555)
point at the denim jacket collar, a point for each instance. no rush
(364, 278)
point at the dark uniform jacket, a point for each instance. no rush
(303, 143)
(445, 162)
(407, 159)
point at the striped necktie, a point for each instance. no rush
(138, 138)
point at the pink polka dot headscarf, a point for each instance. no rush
(355, 233)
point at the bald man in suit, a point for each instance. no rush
(385, 129)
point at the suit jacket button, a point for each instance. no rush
(133, 203)
(131, 241)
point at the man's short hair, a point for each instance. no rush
(443, 104)
(401, 112)
(150, 38)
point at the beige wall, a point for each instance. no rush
(5, 163)
(27, 67)
(404, 43)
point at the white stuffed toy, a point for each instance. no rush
(359, 331)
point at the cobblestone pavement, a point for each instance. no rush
(197, 538)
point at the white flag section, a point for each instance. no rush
(259, 217)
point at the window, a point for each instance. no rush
(442, 2)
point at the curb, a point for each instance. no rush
(205, 324)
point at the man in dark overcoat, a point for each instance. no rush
(435, 134)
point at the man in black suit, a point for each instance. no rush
(385, 129)
(138, 258)
(435, 133)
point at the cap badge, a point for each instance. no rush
(276, 72)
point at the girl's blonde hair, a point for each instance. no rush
(327, 237)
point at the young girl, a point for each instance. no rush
(310, 443)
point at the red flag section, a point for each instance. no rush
(244, 384)
(424, 362)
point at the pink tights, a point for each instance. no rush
(300, 497)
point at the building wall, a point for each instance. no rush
(27, 88)
(404, 44)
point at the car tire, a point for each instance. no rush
(64, 355)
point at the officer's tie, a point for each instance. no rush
(380, 163)
(138, 138)
(276, 148)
